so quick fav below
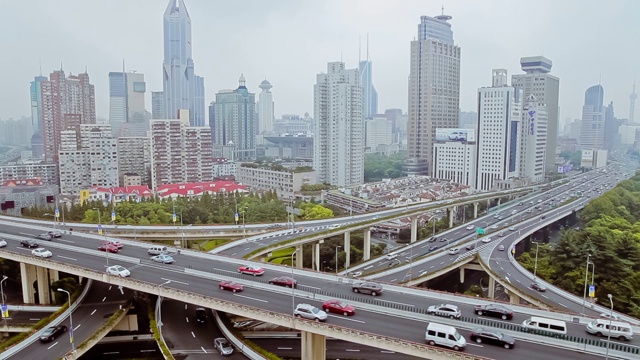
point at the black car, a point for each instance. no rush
(201, 316)
(29, 243)
(494, 310)
(55, 234)
(46, 237)
(370, 288)
(539, 287)
(493, 337)
(433, 239)
(434, 247)
(52, 332)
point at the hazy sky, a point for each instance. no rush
(290, 41)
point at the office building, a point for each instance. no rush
(45, 172)
(393, 115)
(369, 92)
(182, 88)
(545, 87)
(533, 140)
(612, 124)
(377, 132)
(338, 154)
(87, 157)
(434, 90)
(289, 146)
(67, 102)
(134, 157)
(235, 121)
(592, 126)
(291, 124)
(157, 105)
(468, 120)
(179, 152)
(265, 108)
(36, 104)
(499, 114)
(454, 156)
(284, 182)
(126, 103)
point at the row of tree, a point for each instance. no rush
(220, 208)
(611, 238)
(378, 167)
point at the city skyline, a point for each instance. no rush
(138, 40)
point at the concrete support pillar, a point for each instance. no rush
(499, 200)
(475, 210)
(53, 277)
(299, 257)
(28, 276)
(347, 249)
(462, 275)
(492, 288)
(514, 299)
(44, 291)
(452, 214)
(314, 346)
(316, 256)
(414, 228)
(367, 245)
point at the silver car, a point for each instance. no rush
(309, 312)
(223, 346)
(445, 310)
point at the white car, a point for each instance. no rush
(118, 270)
(486, 240)
(454, 251)
(470, 227)
(494, 226)
(3, 243)
(41, 252)
(391, 256)
(513, 228)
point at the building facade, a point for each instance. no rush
(338, 154)
(47, 173)
(546, 88)
(499, 116)
(265, 108)
(157, 105)
(369, 92)
(434, 90)
(377, 132)
(134, 157)
(455, 160)
(182, 88)
(36, 104)
(284, 183)
(533, 140)
(592, 125)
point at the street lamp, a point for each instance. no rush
(4, 277)
(535, 264)
(337, 247)
(586, 278)
(244, 226)
(610, 319)
(54, 218)
(159, 301)
(99, 221)
(293, 288)
(73, 345)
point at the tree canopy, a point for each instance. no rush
(378, 167)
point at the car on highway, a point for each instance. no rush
(46, 237)
(338, 307)
(501, 248)
(3, 242)
(445, 310)
(201, 315)
(55, 234)
(470, 227)
(492, 337)
(370, 288)
(454, 251)
(610, 316)
(486, 239)
(433, 239)
(115, 243)
(538, 287)
(230, 286)
(471, 246)
(444, 239)
(513, 228)
(285, 281)
(502, 234)
(494, 226)
(494, 310)
(251, 270)
(29, 243)
(52, 332)
(108, 247)
(163, 258)
(223, 346)
(309, 312)
(390, 256)
(118, 270)
(434, 247)
(41, 252)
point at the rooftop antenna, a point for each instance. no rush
(359, 49)
(367, 47)
(442, 9)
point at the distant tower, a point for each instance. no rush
(632, 101)
(265, 107)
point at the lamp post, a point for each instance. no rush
(73, 345)
(337, 247)
(586, 277)
(434, 218)
(610, 319)
(54, 218)
(159, 315)
(4, 277)
(293, 288)
(535, 264)
(99, 221)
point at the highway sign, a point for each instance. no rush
(592, 291)
(479, 231)
(5, 310)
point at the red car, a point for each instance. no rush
(251, 270)
(108, 247)
(284, 281)
(231, 286)
(338, 307)
(117, 244)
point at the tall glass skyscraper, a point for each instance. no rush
(182, 88)
(368, 90)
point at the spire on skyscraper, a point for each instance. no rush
(632, 101)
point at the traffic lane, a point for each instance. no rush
(18, 317)
(139, 349)
(101, 302)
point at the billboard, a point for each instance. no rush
(462, 135)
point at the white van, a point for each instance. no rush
(619, 330)
(540, 324)
(157, 250)
(444, 335)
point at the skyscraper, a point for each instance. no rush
(338, 155)
(235, 120)
(499, 114)
(265, 107)
(157, 105)
(592, 128)
(632, 102)
(117, 101)
(545, 88)
(434, 89)
(36, 103)
(126, 102)
(533, 140)
(182, 88)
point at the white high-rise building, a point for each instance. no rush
(499, 115)
(338, 155)
(265, 108)
(434, 90)
(546, 88)
(454, 158)
(377, 132)
(533, 140)
(593, 114)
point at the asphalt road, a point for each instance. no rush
(101, 302)
(28, 318)
(142, 349)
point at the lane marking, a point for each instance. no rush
(54, 344)
(35, 319)
(175, 281)
(234, 254)
(68, 258)
(285, 348)
(346, 318)
(186, 318)
(205, 351)
(110, 286)
(76, 328)
(544, 296)
(147, 350)
(111, 353)
(561, 304)
(192, 334)
(387, 352)
(104, 298)
(94, 311)
(368, 267)
(185, 306)
(393, 280)
(247, 249)
(250, 298)
(354, 350)
(68, 241)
